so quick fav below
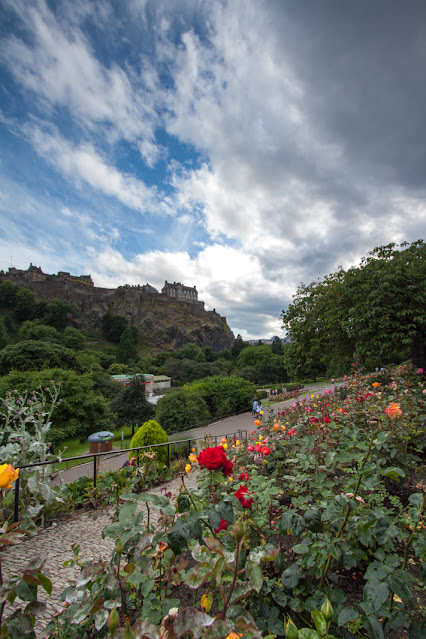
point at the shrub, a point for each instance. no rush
(181, 409)
(226, 395)
(81, 410)
(151, 433)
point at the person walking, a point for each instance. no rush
(255, 406)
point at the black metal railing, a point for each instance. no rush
(239, 434)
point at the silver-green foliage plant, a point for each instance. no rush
(26, 422)
(148, 434)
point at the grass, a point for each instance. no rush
(74, 447)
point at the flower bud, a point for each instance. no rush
(327, 610)
(113, 620)
(238, 530)
(291, 631)
(119, 547)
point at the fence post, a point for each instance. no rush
(94, 470)
(16, 513)
(168, 455)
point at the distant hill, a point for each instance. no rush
(166, 320)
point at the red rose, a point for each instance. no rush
(243, 477)
(265, 450)
(245, 503)
(227, 467)
(223, 526)
(214, 458)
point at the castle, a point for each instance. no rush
(165, 320)
(34, 274)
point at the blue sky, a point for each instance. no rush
(241, 146)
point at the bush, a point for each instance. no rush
(151, 433)
(80, 411)
(181, 409)
(226, 395)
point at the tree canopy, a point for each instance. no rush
(376, 309)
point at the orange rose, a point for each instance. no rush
(393, 411)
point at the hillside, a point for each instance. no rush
(163, 323)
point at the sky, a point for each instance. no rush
(240, 146)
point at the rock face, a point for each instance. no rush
(163, 323)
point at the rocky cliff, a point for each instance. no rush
(163, 323)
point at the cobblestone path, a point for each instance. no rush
(82, 527)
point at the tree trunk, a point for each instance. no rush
(417, 348)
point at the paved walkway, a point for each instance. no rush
(85, 527)
(235, 424)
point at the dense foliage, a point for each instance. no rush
(150, 433)
(196, 404)
(81, 410)
(312, 529)
(376, 310)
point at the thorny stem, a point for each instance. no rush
(195, 507)
(344, 522)
(234, 579)
(122, 596)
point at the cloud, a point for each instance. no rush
(264, 143)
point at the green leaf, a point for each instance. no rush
(415, 499)
(308, 633)
(214, 519)
(177, 543)
(45, 582)
(393, 472)
(225, 511)
(254, 573)
(319, 621)
(291, 576)
(101, 618)
(183, 503)
(127, 512)
(190, 620)
(301, 549)
(416, 632)
(26, 592)
(400, 588)
(218, 630)
(136, 578)
(199, 575)
(312, 518)
(347, 614)
(373, 627)
(375, 594)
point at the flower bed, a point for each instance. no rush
(314, 528)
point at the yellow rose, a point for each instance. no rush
(7, 475)
(260, 437)
(192, 458)
(237, 443)
(225, 446)
(188, 468)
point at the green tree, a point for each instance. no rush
(34, 330)
(31, 355)
(113, 326)
(192, 351)
(387, 298)
(57, 313)
(131, 406)
(376, 309)
(4, 338)
(127, 351)
(8, 293)
(253, 355)
(80, 411)
(181, 409)
(74, 338)
(237, 347)
(225, 395)
(277, 346)
(25, 304)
